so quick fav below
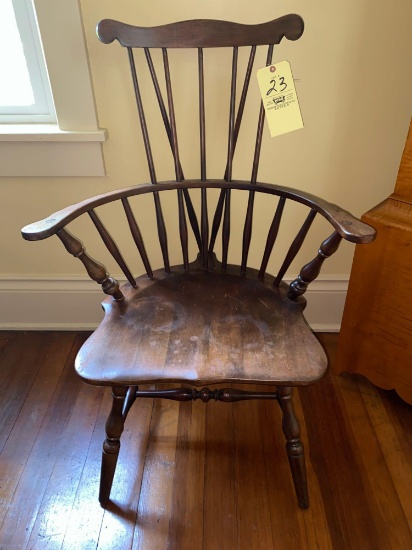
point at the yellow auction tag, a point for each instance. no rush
(279, 98)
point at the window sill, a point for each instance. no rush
(45, 150)
(47, 132)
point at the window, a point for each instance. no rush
(25, 94)
(72, 144)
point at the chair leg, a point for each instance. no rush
(294, 446)
(111, 445)
(128, 402)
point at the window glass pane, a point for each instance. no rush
(25, 94)
(15, 89)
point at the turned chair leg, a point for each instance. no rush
(294, 446)
(111, 445)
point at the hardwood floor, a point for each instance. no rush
(195, 476)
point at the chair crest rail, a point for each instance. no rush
(201, 33)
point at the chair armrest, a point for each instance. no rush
(45, 228)
(348, 226)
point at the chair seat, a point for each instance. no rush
(202, 328)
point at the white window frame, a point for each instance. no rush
(42, 110)
(73, 147)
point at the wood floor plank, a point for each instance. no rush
(20, 363)
(186, 518)
(59, 497)
(154, 509)
(333, 459)
(81, 527)
(20, 518)
(391, 527)
(220, 514)
(315, 518)
(400, 414)
(17, 448)
(398, 463)
(252, 499)
(6, 337)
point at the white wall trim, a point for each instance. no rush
(72, 303)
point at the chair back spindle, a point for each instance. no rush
(272, 235)
(112, 246)
(219, 208)
(172, 118)
(243, 96)
(205, 229)
(247, 231)
(161, 228)
(137, 236)
(183, 230)
(160, 101)
(202, 127)
(217, 218)
(159, 213)
(295, 246)
(261, 120)
(142, 117)
(175, 151)
(226, 229)
(202, 123)
(230, 147)
(230, 152)
(189, 205)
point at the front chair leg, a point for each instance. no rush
(111, 445)
(294, 446)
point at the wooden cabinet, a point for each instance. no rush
(376, 333)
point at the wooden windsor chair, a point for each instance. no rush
(204, 322)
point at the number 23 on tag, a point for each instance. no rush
(279, 98)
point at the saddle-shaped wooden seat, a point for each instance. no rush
(204, 322)
(202, 327)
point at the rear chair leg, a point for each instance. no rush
(111, 445)
(294, 446)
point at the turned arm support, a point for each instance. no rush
(310, 271)
(95, 270)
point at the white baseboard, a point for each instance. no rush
(73, 303)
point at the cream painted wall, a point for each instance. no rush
(352, 67)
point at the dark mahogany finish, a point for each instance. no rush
(204, 321)
(201, 33)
